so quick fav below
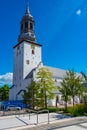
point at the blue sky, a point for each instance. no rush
(60, 26)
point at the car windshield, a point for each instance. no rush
(12, 106)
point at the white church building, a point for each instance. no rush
(28, 58)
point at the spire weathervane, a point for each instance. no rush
(27, 8)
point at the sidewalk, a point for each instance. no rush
(78, 123)
(57, 122)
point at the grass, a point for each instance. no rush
(78, 110)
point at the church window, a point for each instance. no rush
(31, 26)
(26, 24)
(21, 26)
(27, 62)
(32, 51)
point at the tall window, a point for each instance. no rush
(32, 51)
(26, 24)
(31, 26)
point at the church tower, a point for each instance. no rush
(27, 27)
(27, 56)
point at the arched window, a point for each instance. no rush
(26, 24)
(32, 51)
(31, 26)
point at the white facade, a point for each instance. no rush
(27, 56)
(32, 53)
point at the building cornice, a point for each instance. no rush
(28, 41)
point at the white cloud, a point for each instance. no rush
(6, 79)
(78, 12)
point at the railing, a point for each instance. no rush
(44, 111)
(38, 112)
(26, 111)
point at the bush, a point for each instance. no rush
(78, 110)
(53, 109)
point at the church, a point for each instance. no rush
(28, 58)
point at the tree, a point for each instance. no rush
(64, 90)
(84, 94)
(74, 84)
(71, 86)
(4, 92)
(30, 95)
(80, 88)
(46, 85)
(84, 91)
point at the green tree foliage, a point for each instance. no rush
(64, 91)
(46, 85)
(74, 84)
(84, 90)
(84, 95)
(71, 86)
(30, 96)
(40, 91)
(4, 92)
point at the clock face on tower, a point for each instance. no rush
(33, 47)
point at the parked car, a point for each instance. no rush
(13, 107)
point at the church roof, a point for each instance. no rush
(30, 75)
(57, 73)
(28, 42)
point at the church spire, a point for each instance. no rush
(27, 27)
(27, 8)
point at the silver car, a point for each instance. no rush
(13, 107)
